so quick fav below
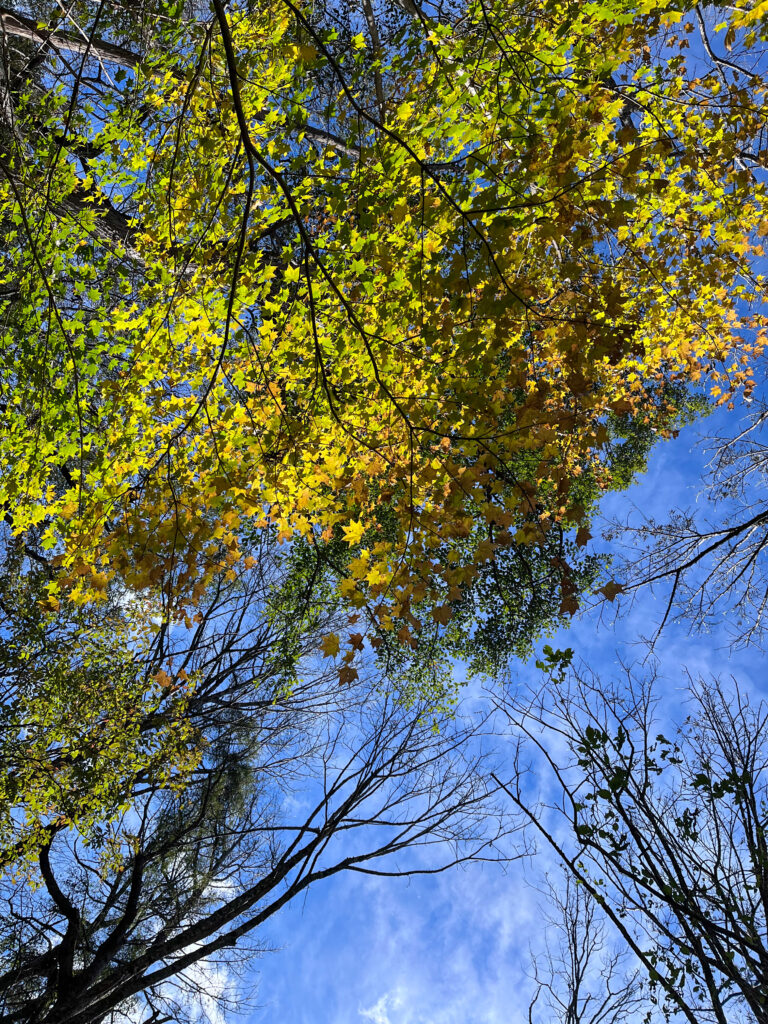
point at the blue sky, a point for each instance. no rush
(454, 948)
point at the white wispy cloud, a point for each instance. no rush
(379, 1013)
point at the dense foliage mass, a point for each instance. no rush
(324, 328)
(263, 268)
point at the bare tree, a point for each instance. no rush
(711, 559)
(581, 977)
(668, 835)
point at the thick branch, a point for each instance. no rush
(66, 951)
(15, 24)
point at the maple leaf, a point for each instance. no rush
(347, 675)
(359, 566)
(442, 614)
(330, 645)
(485, 550)
(405, 636)
(569, 605)
(353, 532)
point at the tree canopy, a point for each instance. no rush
(377, 276)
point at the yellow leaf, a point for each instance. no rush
(353, 533)
(400, 212)
(375, 576)
(359, 566)
(330, 645)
